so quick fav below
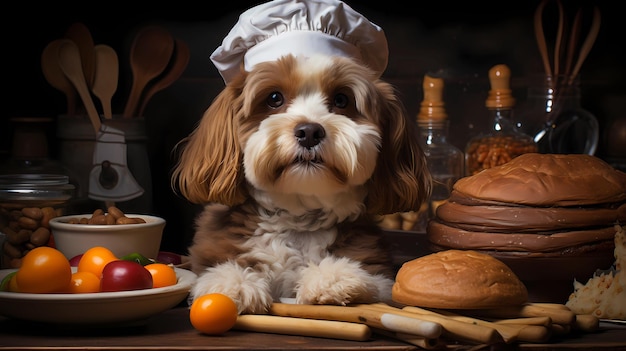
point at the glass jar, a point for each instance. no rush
(445, 161)
(504, 140)
(562, 125)
(27, 203)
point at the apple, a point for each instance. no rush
(122, 275)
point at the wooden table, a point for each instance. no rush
(172, 330)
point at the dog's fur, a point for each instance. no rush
(294, 161)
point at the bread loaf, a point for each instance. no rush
(548, 180)
(458, 279)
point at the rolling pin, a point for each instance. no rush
(376, 319)
(302, 326)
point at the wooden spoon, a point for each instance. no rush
(69, 59)
(150, 54)
(177, 66)
(105, 79)
(54, 74)
(79, 34)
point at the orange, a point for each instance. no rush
(162, 274)
(213, 313)
(44, 270)
(94, 260)
(84, 282)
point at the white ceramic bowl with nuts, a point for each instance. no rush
(135, 233)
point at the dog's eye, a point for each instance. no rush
(341, 100)
(275, 99)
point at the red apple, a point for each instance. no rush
(122, 275)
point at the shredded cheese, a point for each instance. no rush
(604, 294)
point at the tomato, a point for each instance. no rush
(122, 275)
(162, 274)
(8, 283)
(213, 313)
(44, 270)
(95, 259)
(74, 260)
(13, 284)
(84, 282)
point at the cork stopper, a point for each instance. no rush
(500, 94)
(432, 107)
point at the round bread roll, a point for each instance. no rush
(458, 279)
(548, 180)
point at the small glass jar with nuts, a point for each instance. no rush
(27, 203)
(504, 141)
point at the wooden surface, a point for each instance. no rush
(172, 330)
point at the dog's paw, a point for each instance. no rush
(340, 282)
(248, 289)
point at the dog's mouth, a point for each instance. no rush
(308, 156)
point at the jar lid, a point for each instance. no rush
(20, 187)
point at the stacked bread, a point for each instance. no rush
(536, 205)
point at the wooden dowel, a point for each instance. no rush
(425, 343)
(558, 316)
(303, 327)
(510, 333)
(452, 329)
(560, 329)
(541, 321)
(375, 319)
(586, 322)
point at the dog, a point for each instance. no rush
(295, 161)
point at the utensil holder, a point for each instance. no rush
(77, 141)
(556, 119)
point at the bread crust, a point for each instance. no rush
(525, 219)
(548, 180)
(462, 238)
(458, 279)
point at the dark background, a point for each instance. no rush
(459, 42)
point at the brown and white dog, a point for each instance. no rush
(295, 160)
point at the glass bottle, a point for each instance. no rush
(565, 126)
(505, 140)
(444, 160)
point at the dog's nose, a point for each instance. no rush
(309, 134)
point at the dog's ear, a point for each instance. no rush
(209, 164)
(401, 181)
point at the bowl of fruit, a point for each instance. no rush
(97, 288)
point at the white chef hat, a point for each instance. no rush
(300, 27)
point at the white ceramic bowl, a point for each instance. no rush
(117, 308)
(121, 239)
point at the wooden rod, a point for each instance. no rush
(558, 315)
(302, 326)
(452, 329)
(375, 319)
(510, 333)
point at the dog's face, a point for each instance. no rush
(305, 127)
(317, 126)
